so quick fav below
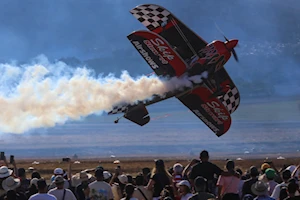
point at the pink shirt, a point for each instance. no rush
(230, 184)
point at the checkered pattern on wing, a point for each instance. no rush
(151, 16)
(231, 99)
(118, 109)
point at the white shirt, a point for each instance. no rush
(186, 197)
(59, 193)
(100, 190)
(42, 196)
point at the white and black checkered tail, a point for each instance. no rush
(231, 99)
(150, 15)
(118, 109)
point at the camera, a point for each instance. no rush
(2, 156)
(66, 159)
(12, 159)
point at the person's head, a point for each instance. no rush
(11, 195)
(177, 168)
(129, 189)
(59, 182)
(264, 167)
(253, 171)
(58, 171)
(270, 174)
(139, 180)
(146, 171)
(167, 192)
(123, 179)
(184, 187)
(99, 174)
(33, 183)
(259, 188)
(204, 156)
(21, 173)
(160, 167)
(35, 175)
(230, 165)
(107, 176)
(286, 175)
(11, 183)
(42, 185)
(200, 184)
(292, 187)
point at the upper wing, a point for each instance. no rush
(210, 110)
(164, 23)
(158, 53)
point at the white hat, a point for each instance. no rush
(10, 183)
(79, 177)
(184, 182)
(5, 172)
(106, 175)
(58, 171)
(177, 167)
(123, 179)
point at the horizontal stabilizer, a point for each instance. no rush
(138, 114)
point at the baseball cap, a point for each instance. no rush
(58, 171)
(264, 166)
(184, 182)
(270, 173)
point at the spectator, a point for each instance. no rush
(260, 189)
(24, 181)
(159, 179)
(12, 183)
(177, 173)
(107, 176)
(140, 192)
(42, 194)
(286, 175)
(207, 170)
(270, 175)
(147, 174)
(58, 172)
(35, 175)
(59, 191)
(292, 188)
(99, 189)
(228, 183)
(253, 171)
(200, 188)
(184, 190)
(32, 188)
(79, 180)
(4, 173)
(129, 189)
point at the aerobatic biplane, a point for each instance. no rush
(172, 49)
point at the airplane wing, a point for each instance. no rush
(157, 53)
(164, 23)
(210, 110)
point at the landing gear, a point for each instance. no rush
(117, 120)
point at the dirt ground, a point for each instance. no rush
(133, 165)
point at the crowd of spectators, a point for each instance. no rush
(198, 180)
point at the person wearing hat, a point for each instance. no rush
(286, 175)
(184, 190)
(205, 169)
(253, 172)
(99, 188)
(270, 175)
(79, 181)
(260, 189)
(140, 191)
(160, 177)
(58, 172)
(200, 185)
(4, 173)
(33, 188)
(60, 192)
(42, 194)
(12, 183)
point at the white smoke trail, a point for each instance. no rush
(44, 94)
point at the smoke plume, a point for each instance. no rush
(43, 94)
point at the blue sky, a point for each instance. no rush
(268, 31)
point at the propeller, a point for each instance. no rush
(228, 41)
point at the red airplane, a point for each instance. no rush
(172, 49)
